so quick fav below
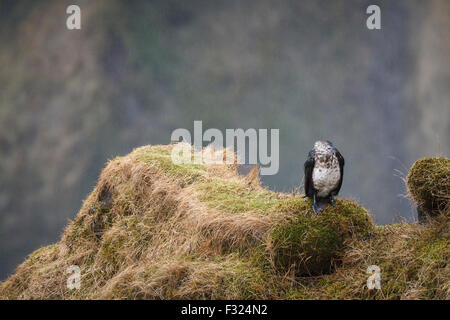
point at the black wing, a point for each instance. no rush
(308, 170)
(341, 167)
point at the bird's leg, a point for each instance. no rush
(315, 208)
(332, 200)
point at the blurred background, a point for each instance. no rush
(137, 70)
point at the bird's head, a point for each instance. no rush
(324, 146)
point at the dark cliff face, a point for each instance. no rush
(70, 100)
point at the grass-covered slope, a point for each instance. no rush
(155, 230)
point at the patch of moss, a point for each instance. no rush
(241, 280)
(161, 157)
(309, 245)
(295, 205)
(236, 197)
(335, 288)
(434, 252)
(428, 184)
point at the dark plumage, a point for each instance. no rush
(324, 171)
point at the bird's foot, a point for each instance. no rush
(316, 208)
(332, 201)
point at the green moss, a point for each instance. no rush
(238, 197)
(161, 157)
(296, 293)
(435, 252)
(235, 197)
(429, 184)
(309, 244)
(296, 205)
(335, 288)
(240, 280)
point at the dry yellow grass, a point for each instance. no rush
(155, 230)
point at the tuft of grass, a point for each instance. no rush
(428, 184)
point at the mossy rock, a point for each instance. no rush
(311, 244)
(428, 184)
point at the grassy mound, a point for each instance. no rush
(428, 184)
(310, 244)
(152, 229)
